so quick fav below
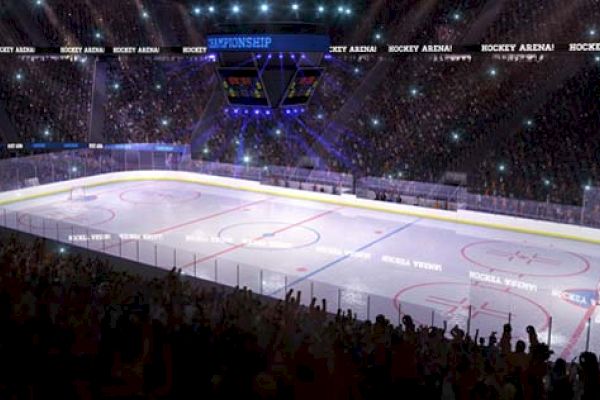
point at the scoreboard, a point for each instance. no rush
(244, 86)
(303, 86)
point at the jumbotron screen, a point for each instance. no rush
(303, 86)
(244, 87)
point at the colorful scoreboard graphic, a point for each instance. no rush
(244, 87)
(303, 86)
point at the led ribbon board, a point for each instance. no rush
(285, 43)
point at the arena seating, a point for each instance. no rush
(76, 328)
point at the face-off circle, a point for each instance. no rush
(523, 260)
(77, 215)
(269, 235)
(151, 196)
(490, 306)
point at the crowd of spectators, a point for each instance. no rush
(76, 328)
(156, 101)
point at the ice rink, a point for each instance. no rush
(371, 261)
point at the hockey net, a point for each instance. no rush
(78, 193)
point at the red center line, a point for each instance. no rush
(194, 221)
(259, 238)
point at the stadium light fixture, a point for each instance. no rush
(61, 250)
(340, 9)
(587, 188)
(19, 76)
(256, 112)
(268, 112)
(211, 9)
(74, 169)
(400, 174)
(205, 150)
(98, 35)
(356, 70)
(320, 9)
(414, 92)
(158, 86)
(145, 15)
(319, 116)
(116, 86)
(378, 36)
(264, 7)
(235, 9)
(278, 132)
(501, 167)
(546, 182)
(295, 7)
(38, 2)
(375, 122)
(592, 32)
(197, 11)
(164, 122)
(456, 16)
(597, 58)
(529, 122)
(348, 11)
(493, 72)
(246, 159)
(455, 136)
(46, 132)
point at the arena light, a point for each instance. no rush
(211, 9)
(236, 9)
(501, 167)
(256, 112)
(116, 86)
(375, 121)
(278, 132)
(414, 92)
(145, 15)
(378, 36)
(46, 132)
(321, 9)
(268, 112)
(164, 122)
(19, 76)
(74, 169)
(197, 11)
(348, 11)
(528, 122)
(356, 70)
(340, 9)
(597, 58)
(264, 7)
(592, 32)
(247, 159)
(98, 35)
(455, 136)
(295, 7)
(493, 72)
(547, 182)
(158, 86)
(456, 16)
(587, 188)
(205, 150)
(319, 116)
(38, 2)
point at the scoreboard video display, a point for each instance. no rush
(302, 87)
(244, 87)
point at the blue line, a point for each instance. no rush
(339, 260)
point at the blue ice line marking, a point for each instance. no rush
(342, 258)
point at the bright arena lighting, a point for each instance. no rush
(145, 15)
(295, 6)
(321, 9)
(211, 9)
(246, 159)
(116, 86)
(340, 9)
(235, 9)
(197, 11)
(19, 76)
(264, 8)
(348, 11)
